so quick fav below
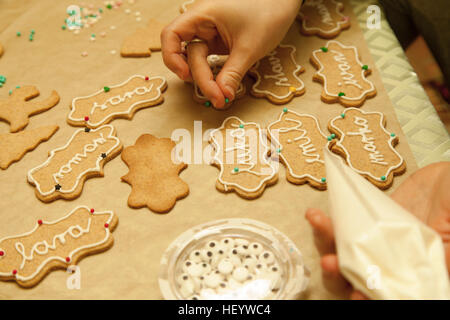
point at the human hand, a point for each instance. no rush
(426, 194)
(245, 29)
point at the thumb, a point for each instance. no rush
(232, 73)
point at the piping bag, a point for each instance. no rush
(383, 250)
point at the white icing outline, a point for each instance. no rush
(184, 4)
(339, 8)
(254, 70)
(77, 181)
(348, 159)
(306, 175)
(364, 94)
(112, 115)
(217, 149)
(44, 263)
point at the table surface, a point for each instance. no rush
(129, 270)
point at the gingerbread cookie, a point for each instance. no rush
(299, 142)
(216, 63)
(27, 258)
(323, 18)
(17, 107)
(367, 146)
(13, 146)
(119, 101)
(143, 41)
(342, 74)
(186, 5)
(241, 155)
(153, 175)
(277, 76)
(82, 157)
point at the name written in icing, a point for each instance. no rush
(277, 69)
(344, 67)
(375, 156)
(325, 16)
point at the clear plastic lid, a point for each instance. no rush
(232, 259)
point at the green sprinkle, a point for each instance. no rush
(333, 136)
(342, 115)
(236, 169)
(17, 87)
(285, 110)
(100, 10)
(208, 104)
(32, 32)
(365, 67)
(18, 33)
(109, 6)
(106, 89)
(227, 100)
(10, 92)
(241, 126)
(2, 79)
(323, 180)
(392, 134)
(279, 150)
(93, 35)
(324, 49)
(340, 94)
(63, 27)
(329, 138)
(383, 178)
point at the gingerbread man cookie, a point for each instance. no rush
(153, 176)
(143, 41)
(13, 146)
(119, 101)
(27, 258)
(277, 76)
(241, 155)
(323, 18)
(299, 143)
(367, 146)
(17, 107)
(216, 63)
(342, 75)
(82, 157)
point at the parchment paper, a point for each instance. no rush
(129, 270)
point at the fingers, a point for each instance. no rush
(232, 73)
(322, 224)
(330, 265)
(202, 74)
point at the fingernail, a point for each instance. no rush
(230, 92)
(214, 102)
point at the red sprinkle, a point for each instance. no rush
(92, 210)
(68, 259)
(39, 222)
(14, 272)
(106, 225)
(147, 78)
(86, 118)
(2, 253)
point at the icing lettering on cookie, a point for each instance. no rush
(367, 146)
(119, 101)
(242, 161)
(342, 75)
(300, 142)
(28, 257)
(323, 18)
(277, 76)
(66, 169)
